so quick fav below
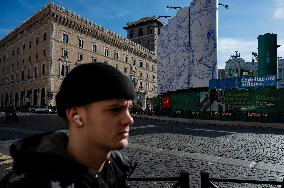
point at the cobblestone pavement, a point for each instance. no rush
(165, 148)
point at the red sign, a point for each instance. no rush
(166, 102)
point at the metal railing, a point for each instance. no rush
(182, 180)
(207, 182)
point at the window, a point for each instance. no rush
(30, 44)
(115, 56)
(43, 69)
(125, 69)
(64, 69)
(153, 78)
(29, 58)
(131, 34)
(64, 53)
(12, 78)
(147, 65)
(125, 58)
(23, 75)
(44, 36)
(94, 48)
(13, 52)
(94, 60)
(149, 44)
(147, 86)
(80, 57)
(23, 61)
(134, 61)
(65, 38)
(36, 56)
(29, 73)
(149, 29)
(44, 52)
(81, 43)
(140, 32)
(36, 40)
(141, 64)
(35, 71)
(24, 47)
(106, 52)
(153, 68)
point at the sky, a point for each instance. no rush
(239, 25)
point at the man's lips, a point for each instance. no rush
(124, 134)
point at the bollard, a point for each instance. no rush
(282, 186)
(184, 179)
(205, 182)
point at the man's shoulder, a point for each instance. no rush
(123, 162)
(13, 180)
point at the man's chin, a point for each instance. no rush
(123, 144)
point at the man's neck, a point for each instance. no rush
(92, 158)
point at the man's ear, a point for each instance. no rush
(74, 118)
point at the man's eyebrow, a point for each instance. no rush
(117, 105)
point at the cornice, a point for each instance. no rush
(29, 24)
(86, 27)
(73, 21)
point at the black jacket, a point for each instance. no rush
(41, 161)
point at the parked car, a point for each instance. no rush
(31, 109)
(44, 109)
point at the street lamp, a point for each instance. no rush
(226, 6)
(164, 17)
(173, 7)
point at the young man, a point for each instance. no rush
(95, 100)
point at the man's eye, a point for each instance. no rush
(116, 110)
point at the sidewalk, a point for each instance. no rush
(215, 122)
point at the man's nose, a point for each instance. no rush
(127, 119)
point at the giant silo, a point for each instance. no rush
(267, 54)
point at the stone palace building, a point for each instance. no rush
(38, 54)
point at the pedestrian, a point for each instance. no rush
(95, 100)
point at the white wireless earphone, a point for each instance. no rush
(77, 118)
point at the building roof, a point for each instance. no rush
(143, 21)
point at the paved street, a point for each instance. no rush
(163, 148)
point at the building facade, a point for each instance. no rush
(187, 48)
(38, 54)
(145, 32)
(237, 67)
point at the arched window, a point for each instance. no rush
(131, 34)
(64, 70)
(140, 32)
(149, 29)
